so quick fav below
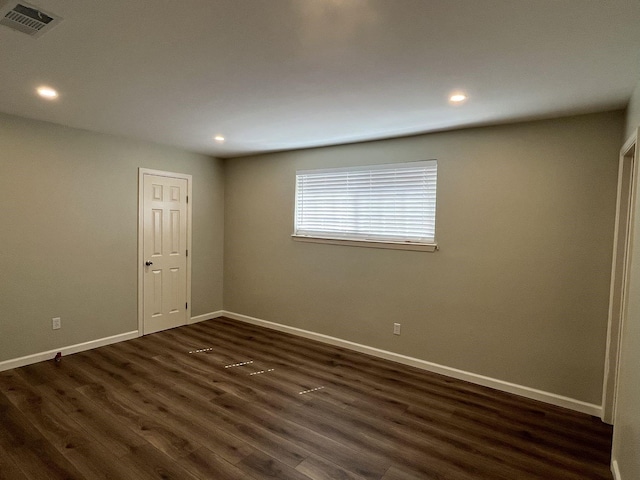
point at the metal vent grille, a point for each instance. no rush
(27, 19)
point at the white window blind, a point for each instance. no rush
(392, 203)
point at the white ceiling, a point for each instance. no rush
(283, 74)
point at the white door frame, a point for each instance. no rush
(141, 173)
(618, 296)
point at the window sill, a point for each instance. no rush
(422, 247)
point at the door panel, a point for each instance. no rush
(175, 233)
(156, 232)
(164, 252)
(156, 292)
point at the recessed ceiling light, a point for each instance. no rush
(47, 92)
(219, 138)
(457, 97)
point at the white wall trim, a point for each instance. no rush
(615, 470)
(206, 316)
(532, 393)
(80, 347)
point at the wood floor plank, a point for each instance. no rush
(150, 463)
(175, 372)
(145, 416)
(227, 400)
(105, 428)
(263, 466)
(203, 463)
(308, 439)
(259, 438)
(253, 411)
(94, 461)
(28, 448)
(317, 468)
(358, 461)
(438, 459)
(186, 419)
(9, 470)
(188, 424)
(52, 422)
(524, 410)
(488, 442)
(398, 473)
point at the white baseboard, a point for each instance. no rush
(615, 470)
(552, 398)
(206, 316)
(501, 385)
(80, 347)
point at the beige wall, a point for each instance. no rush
(519, 290)
(633, 113)
(626, 431)
(69, 233)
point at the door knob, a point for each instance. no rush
(148, 264)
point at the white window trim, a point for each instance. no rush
(364, 242)
(422, 247)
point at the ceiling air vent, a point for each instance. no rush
(27, 19)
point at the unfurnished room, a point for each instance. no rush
(319, 239)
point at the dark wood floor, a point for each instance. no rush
(225, 400)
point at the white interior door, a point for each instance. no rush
(165, 233)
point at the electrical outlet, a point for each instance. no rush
(396, 329)
(56, 323)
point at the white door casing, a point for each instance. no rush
(623, 238)
(164, 269)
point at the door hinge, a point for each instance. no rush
(187, 198)
(187, 253)
(186, 306)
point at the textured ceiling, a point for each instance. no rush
(283, 74)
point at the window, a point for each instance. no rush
(387, 206)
